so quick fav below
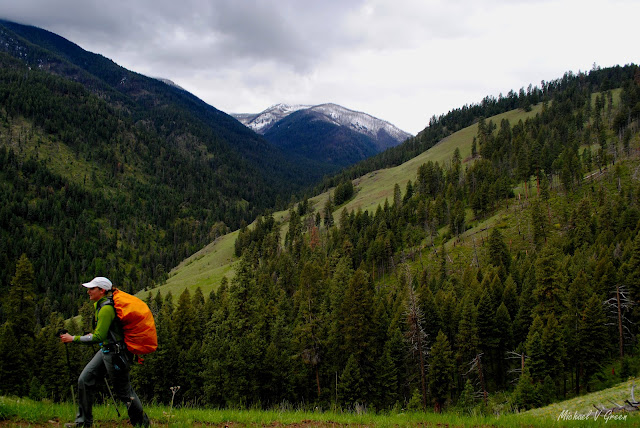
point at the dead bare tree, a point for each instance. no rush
(476, 366)
(631, 405)
(619, 305)
(416, 334)
(513, 355)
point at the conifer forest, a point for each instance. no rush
(392, 308)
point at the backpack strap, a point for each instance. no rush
(112, 335)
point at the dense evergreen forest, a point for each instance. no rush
(105, 170)
(399, 307)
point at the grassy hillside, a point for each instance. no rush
(206, 268)
(374, 188)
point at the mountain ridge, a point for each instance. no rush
(119, 149)
(329, 132)
(359, 121)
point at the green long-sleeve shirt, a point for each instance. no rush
(104, 318)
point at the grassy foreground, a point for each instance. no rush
(577, 412)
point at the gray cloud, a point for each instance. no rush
(223, 33)
(403, 60)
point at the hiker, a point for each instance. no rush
(112, 359)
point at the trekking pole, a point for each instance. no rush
(66, 350)
(112, 397)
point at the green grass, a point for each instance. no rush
(584, 403)
(204, 269)
(25, 412)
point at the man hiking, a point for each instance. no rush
(112, 359)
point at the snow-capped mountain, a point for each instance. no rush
(341, 116)
(361, 122)
(261, 122)
(326, 133)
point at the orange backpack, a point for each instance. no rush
(137, 323)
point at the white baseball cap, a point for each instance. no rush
(99, 281)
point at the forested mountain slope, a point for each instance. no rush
(513, 250)
(488, 273)
(105, 170)
(207, 267)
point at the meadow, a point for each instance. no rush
(576, 412)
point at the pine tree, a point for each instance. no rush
(487, 329)
(52, 370)
(184, 322)
(576, 293)
(310, 330)
(553, 349)
(549, 290)
(505, 341)
(440, 371)
(352, 389)
(467, 399)
(328, 213)
(198, 306)
(357, 312)
(526, 304)
(632, 270)
(467, 340)
(510, 297)
(526, 396)
(166, 359)
(594, 341)
(539, 223)
(386, 379)
(536, 363)
(20, 303)
(499, 253)
(17, 333)
(187, 347)
(13, 367)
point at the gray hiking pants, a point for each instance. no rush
(102, 364)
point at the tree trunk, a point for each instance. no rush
(422, 373)
(620, 323)
(318, 380)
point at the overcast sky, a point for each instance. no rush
(399, 60)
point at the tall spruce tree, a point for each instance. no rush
(18, 332)
(499, 253)
(441, 371)
(356, 325)
(467, 340)
(595, 342)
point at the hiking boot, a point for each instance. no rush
(145, 422)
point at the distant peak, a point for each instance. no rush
(361, 122)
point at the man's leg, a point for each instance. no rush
(92, 373)
(119, 376)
